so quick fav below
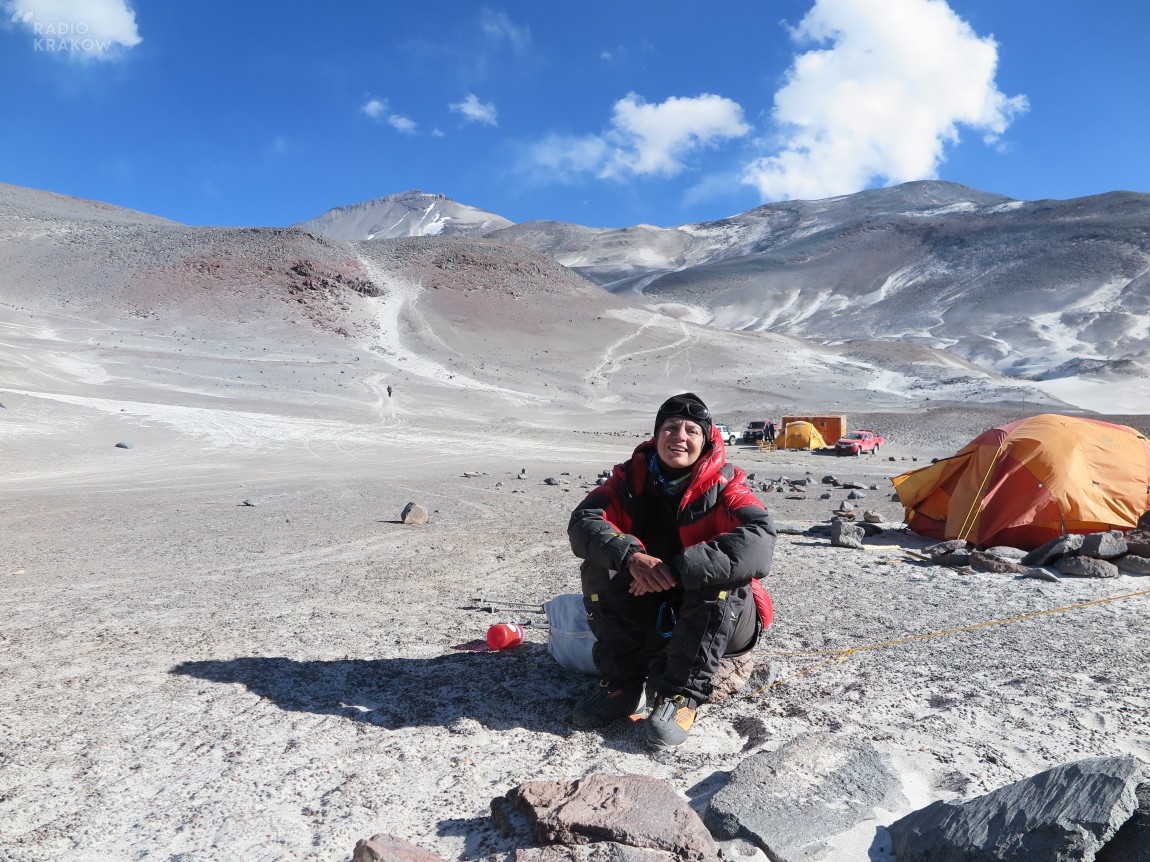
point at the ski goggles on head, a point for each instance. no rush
(685, 408)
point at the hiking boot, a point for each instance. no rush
(606, 704)
(670, 723)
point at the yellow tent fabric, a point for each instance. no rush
(800, 435)
(1028, 482)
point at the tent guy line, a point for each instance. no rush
(837, 657)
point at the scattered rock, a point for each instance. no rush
(830, 480)
(1066, 813)
(635, 810)
(388, 848)
(957, 558)
(250, 501)
(1138, 542)
(981, 561)
(1041, 574)
(733, 673)
(945, 547)
(1104, 546)
(845, 534)
(872, 516)
(413, 513)
(1087, 567)
(1005, 552)
(856, 495)
(790, 801)
(123, 445)
(1133, 564)
(1052, 550)
(551, 480)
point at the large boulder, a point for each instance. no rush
(1053, 550)
(1066, 814)
(1104, 546)
(635, 810)
(388, 848)
(789, 802)
(1087, 567)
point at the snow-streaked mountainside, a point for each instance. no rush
(408, 214)
(1040, 289)
(117, 310)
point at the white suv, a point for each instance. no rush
(728, 434)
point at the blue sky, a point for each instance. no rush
(601, 113)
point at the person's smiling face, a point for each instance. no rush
(680, 442)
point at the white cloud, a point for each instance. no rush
(563, 158)
(498, 28)
(881, 101)
(377, 109)
(654, 139)
(643, 139)
(85, 29)
(402, 124)
(474, 111)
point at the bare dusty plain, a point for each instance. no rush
(220, 644)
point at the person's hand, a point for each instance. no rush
(649, 575)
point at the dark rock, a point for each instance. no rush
(981, 561)
(856, 495)
(388, 848)
(1143, 522)
(123, 445)
(1132, 842)
(790, 801)
(829, 480)
(1133, 564)
(1104, 546)
(551, 480)
(1052, 550)
(1138, 542)
(852, 486)
(945, 547)
(869, 529)
(1005, 552)
(1041, 574)
(1087, 567)
(957, 558)
(635, 810)
(250, 501)
(845, 534)
(825, 495)
(1066, 813)
(413, 513)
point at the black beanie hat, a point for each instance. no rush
(689, 406)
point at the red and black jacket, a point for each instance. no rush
(727, 535)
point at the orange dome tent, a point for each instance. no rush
(1028, 482)
(799, 434)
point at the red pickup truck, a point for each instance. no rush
(857, 442)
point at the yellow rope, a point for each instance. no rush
(837, 657)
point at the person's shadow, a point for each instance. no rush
(519, 687)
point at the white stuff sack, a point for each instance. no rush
(570, 640)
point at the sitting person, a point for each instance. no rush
(673, 547)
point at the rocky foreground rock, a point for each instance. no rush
(791, 803)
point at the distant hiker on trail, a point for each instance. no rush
(673, 547)
(769, 431)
